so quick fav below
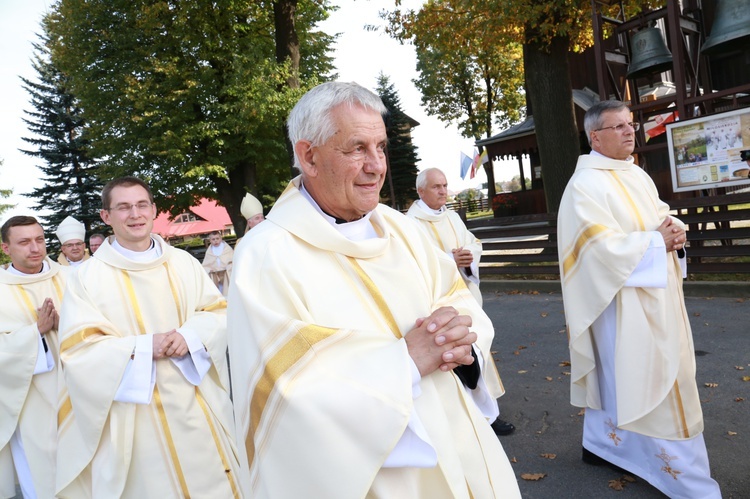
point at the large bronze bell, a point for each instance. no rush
(649, 53)
(731, 27)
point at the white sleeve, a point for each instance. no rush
(44, 361)
(481, 395)
(137, 385)
(414, 448)
(195, 365)
(651, 271)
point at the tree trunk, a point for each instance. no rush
(551, 95)
(287, 47)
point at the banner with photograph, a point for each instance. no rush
(708, 152)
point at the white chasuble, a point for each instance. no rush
(179, 444)
(219, 267)
(448, 232)
(631, 346)
(28, 405)
(321, 374)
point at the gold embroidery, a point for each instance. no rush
(134, 301)
(613, 434)
(626, 195)
(667, 468)
(219, 305)
(437, 236)
(175, 295)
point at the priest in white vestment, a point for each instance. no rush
(631, 346)
(446, 228)
(218, 261)
(31, 289)
(351, 337)
(143, 347)
(71, 233)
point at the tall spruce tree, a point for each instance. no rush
(399, 188)
(71, 186)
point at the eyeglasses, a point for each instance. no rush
(127, 207)
(72, 245)
(619, 128)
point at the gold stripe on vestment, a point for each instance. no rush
(27, 301)
(58, 287)
(175, 295)
(585, 236)
(681, 412)
(170, 443)
(64, 411)
(79, 337)
(134, 301)
(626, 195)
(217, 442)
(288, 355)
(377, 297)
(437, 236)
(219, 305)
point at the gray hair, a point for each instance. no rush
(593, 117)
(311, 119)
(422, 177)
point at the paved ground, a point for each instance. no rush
(531, 348)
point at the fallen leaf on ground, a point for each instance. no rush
(582, 412)
(616, 485)
(544, 314)
(533, 476)
(566, 373)
(739, 399)
(711, 385)
(533, 292)
(739, 368)
(628, 478)
(731, 433)
(522, 372)
(522, 347)
(746, 378)
(516, 353)
(514, 460)
(564, 363)
(697, 314)
(547, 455)
(548, 378)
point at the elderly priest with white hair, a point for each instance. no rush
(351, 336)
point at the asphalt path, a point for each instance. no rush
(531, 352)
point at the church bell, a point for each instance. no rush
(731, 27)
(649, 53)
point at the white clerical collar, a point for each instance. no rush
(217, 250)
(358, 230)
(74, 264)
(149, 255)
(426, 208)
(597, 153)
(15, 271)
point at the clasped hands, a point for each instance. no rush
(47, 317)
(169, 344)
(673, 234)
(463, 257)
(441, 341)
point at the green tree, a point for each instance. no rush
(4, 194)
(71, 186)
(192, 95)
(400, 187)
(466, 75)
(547, 30)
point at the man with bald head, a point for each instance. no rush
(358, 358)
(632, 360)
(446, 228)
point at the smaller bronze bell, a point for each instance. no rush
(649, 53)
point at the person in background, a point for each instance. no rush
(95, 240)
(71, 233)
(632, 354)
(218, 261)
(446, 229)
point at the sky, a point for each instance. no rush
(359, 56)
